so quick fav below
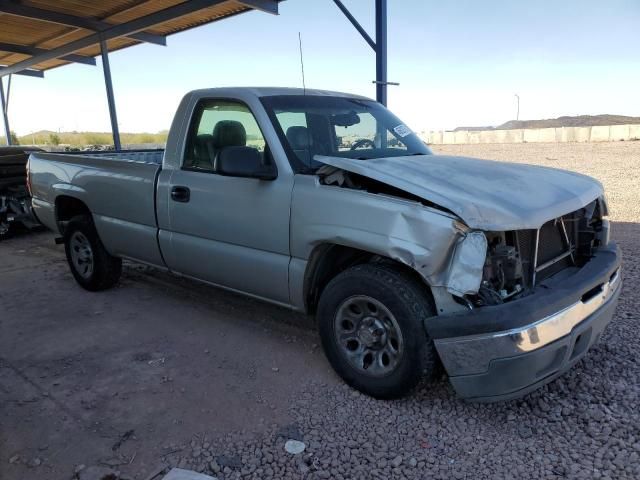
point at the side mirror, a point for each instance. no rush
(240, 161)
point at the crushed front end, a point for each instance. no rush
(545, 297)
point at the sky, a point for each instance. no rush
(459, 63)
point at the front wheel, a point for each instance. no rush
(90, 263)
(371, 326)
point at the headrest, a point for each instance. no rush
(229, 133)
(299, 138)
(202, 139)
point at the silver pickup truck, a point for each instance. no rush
(328, 204)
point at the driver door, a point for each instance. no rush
(229, 231)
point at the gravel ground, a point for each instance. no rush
(586, 424)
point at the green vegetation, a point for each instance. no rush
(81, 139)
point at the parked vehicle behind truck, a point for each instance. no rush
(15, 201)
(328, 204)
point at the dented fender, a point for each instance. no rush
(434, 243)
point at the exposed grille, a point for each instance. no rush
(551, 242)
(526, 246)
(556, 247)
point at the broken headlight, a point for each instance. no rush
(502, 273)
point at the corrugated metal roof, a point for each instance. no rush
(17, 28)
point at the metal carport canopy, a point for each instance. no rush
(38, 35)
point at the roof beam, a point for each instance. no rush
(114, 31)
(268, 6)
(28, 73)
(26, 50)
(356, 24)
(26, 11)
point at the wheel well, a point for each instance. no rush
(328, 260)
(67, 208)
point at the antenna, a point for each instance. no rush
(304, 87)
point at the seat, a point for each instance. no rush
(202, 152)
(300, 140)
(227, 133)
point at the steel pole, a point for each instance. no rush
(5, 117)
(381, 51)
(110, 99)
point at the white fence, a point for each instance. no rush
(608, 133)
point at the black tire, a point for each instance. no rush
(104, 271)
(408, 301)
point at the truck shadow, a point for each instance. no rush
(222, 300)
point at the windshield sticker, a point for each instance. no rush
(402, 130)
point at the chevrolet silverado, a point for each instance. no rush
(328, 204)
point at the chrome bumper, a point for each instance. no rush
(472, 354)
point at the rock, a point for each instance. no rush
(229, 461)
(181, 474)
(14, 459)
(397, 461)
(294, 447)
(544, 406)
(524, 431)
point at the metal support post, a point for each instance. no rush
(110, 99)
(381, 51)
(5, 117)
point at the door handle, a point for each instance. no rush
(180, 194)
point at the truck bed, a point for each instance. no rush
(143, 156)
(117, 187)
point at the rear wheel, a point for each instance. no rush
(371, 325)
(91, 265)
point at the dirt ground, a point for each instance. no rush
(162, 371)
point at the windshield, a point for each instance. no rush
(340, 127)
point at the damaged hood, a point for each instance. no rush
(487, 195)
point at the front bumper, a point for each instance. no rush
(505, 351)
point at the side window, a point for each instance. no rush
(217, 124)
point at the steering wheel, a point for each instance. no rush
(362, 143)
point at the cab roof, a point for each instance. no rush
(275, 91)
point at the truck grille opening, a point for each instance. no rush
(526, 240)
(560, 243)
(518, 260)
(556, 248)
(551, 243)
